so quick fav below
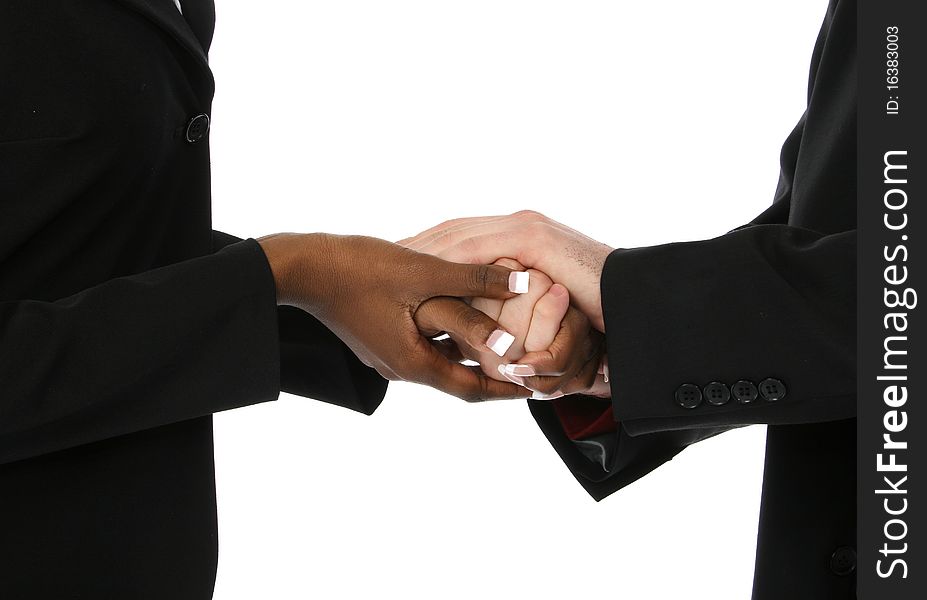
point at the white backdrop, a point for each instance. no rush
(635, 122)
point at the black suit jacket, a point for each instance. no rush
(125, 320)
(773, 299)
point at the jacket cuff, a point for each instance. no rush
(756, 326)
(309, 359)
(622, 458)
(242, 269)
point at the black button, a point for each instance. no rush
(843, 561)
(688, 395)
(744, 391)
(716, 393)
(197, 128)
(772, 389)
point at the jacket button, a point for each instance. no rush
(716, 393)
(197, 128)
(688, 395)
(772, 389)
(843, 561)
(744, 391)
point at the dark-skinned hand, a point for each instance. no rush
(385, 302)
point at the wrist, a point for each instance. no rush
(308, 268)
(286, 254)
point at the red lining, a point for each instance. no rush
(583, 417)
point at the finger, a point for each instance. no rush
(469, 355)
(449, 233)
(441, 227)
(551, 257)
(520, 232)
(450, 227)
(584, 381)
(484, 248)
(548, 313)
(489, 306)
(509, 263)
(517, 312)
(464, 324)
(468, 280)
(549, 370)
(468, 383)
(587, 381)
(492, 306)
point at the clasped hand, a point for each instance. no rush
(389, 302)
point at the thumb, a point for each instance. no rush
(485, 281)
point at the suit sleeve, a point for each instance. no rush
(768, 311)
(137, 352)
(167, 345)
(315, 363)
(765, 301)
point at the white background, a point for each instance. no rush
(637, 123)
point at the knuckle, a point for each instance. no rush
(478, 279)
(473, 325)
(482, 392)
(529, 216)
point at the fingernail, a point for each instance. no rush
(518, 282)
(540, 396)
(500, 341)
(513, 378)
(519, 370)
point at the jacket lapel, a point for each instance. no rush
(164, 14)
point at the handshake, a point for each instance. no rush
(518, 295)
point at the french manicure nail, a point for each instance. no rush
(519, 370)
(540, 396)
(518, 282)
(500, 341)
(513, 378)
